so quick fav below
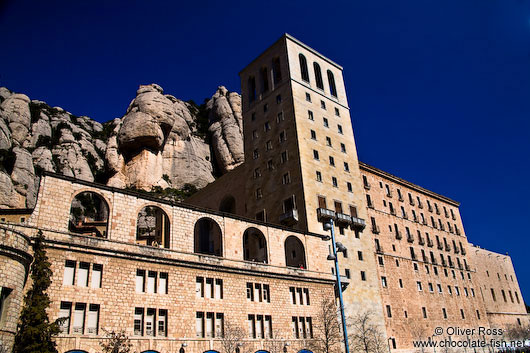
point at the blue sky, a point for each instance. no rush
(439, 90)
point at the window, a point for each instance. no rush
(334, 182)
(151, 282)
(265, 107)
(310, 115)
(400, 283)
(255, 154)
(268, 145)
(308, 97)
(283, 136)
(199, 324)
(253, 116)
(439, 286)
(331, 81)
(267, 126)
(328, 141)
(284, 157)
(493, 295)
(65, 312)
(302, 327)
(360, 255)
(383, 281)
(278, 99)
(82, 277)
(363, 276)
(331, 161)
(343, 148)
(69, 272)
(286, 178)
(303, 67)
(257, 173)
(349, 186)
(337, 112)
(388, 311)
(424, 311)
(418, 284)
(431, 288)
(279, 117)
(319, 176)
(322, 104)
(318, 76)
(162, 283)
(315, 155)
(326, 122)
(162, 322)
(79, 318)
(462, 314)
(97, 271)
(251, 89)
(313, 135)
(259, 193)
(93, 319)
(140, 281)
(339, 128)
(444, 313)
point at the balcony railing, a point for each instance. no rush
(420, 205)
(289, 217)
(413, 256)
(434, 261)
(78, 329)
(457, 250)
(447, 247)
(457, 231)
(392, 211)
(367, 186)
(375, 229)
(410, 238)
(398, 235)
(463, 251)
(411, 201)
(92, 330)
(379, 249)
(358, 223)
(343, 218)
(324, 214)
(430, 243)
(421, 241)
(440, 246)
(467, 267)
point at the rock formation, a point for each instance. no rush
(161, 141)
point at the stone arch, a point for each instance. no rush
(89, 214)
(153, 227)
(208, 237)
(228, 204)
(294, 253)
(254, 245)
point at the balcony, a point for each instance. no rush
(467, 267)
(289, 218)
(460, 267)
(430, 243)
(421, 241)
(425, 259)
(420, 205)
(457, 250)
(447, 247)
(389, 194)
(443, 262)
(324, 214)
(398, 235)
(379, 249)
(463, 251)
(457, 231)
(400, 198)
(410, 239)
(413, 257)
(343, 219)
(392, 211)
(451, 264)
(434, 262)
(411, 201)
(440, 246)
(367, 186)
(370, 205)
(375, 229)
(358, 223)
(429, 208)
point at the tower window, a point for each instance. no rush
(348, 185)
(343, 148)
(339, 128)
(334, 182)
(319, 176)
(308, 97)
(315, 155)
(337, 112)
(332, 87)
(331, 161)
(318, 76)
(325, 121)
(303, 67)
(346, 167)
(310, 115)
(323, 105)
(313, 135)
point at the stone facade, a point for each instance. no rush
(249, 250)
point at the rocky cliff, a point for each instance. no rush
(160, 143)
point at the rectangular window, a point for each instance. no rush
(328, 141)
(93, 319)
(219, 325)
(79, 318)
(322, 104)
(310, 115)
(266, 293)
(252, 326)
(424, 311)
(315, 155)
(383, 282)
(444, 312)
(284, 157)
(292, 292)
(331, 161)
(388, 311)
(306, 296)
(209, 289)
(150, 322)
(199, 324)
(82, 276)
(337, 112)
(346, 167)
(138, 321)
(210, 325)
(199, 287)
(363, 276)
(308, 97)
(218, 288)
(151, 282)
(339, 128)
(343, 148)
(418, 284)
(250, 292)
(279, 117)
(162, 322)
(97, 271)
(334, 182)
(162, 283)
(349, 186)
(313, 135)
(65, 312)
(325, 122)
(286, 179)
(69, 272)
(319, 176)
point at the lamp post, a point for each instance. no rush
(329, 225)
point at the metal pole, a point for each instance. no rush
(339, 288)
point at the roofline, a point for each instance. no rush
(290, 37)
(140, 195)
(478, 247)
(405, 183)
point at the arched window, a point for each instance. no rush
(254, 246)
(318, 75)
(303, 68)
(263, 75)
(228, 204)
(331, 81)
(152, 227)
(294, 253)
(89, 214)
(208, 237)
(276, 70)
(251, 89)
